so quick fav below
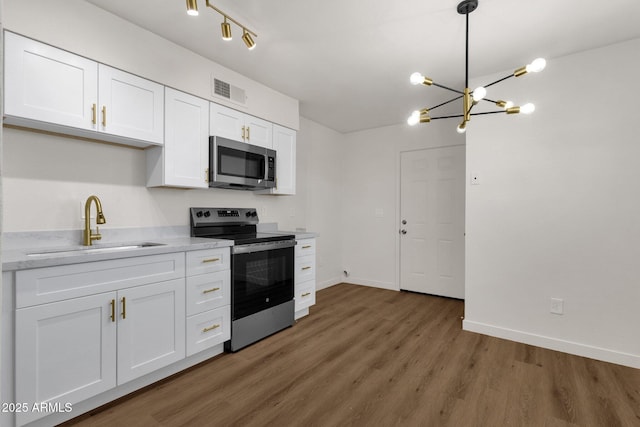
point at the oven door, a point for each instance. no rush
(262, 277)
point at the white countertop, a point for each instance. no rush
(19, 259)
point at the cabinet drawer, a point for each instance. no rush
(305, 295)
(208, 291)
(208, 329)
(50, 284)
(208, 261)
(306, 247)
(305, 268)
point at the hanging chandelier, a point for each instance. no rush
(471, 98)
(247, 34)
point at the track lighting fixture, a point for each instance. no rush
(192, 7)
(226, 30)
(248, 40)
(247, 34)
(469, 98)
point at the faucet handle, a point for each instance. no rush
(96, 236)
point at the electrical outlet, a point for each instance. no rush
(557, 306)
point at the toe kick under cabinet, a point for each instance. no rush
(305, 276)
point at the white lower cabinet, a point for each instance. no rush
(208, 299)
(74, 348)
(305, 276)
(65, 352)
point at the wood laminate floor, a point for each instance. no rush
(372, 357)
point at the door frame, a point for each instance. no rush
(398, 214)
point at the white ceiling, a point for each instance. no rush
(349, 61)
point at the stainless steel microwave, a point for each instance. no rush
(240, 166)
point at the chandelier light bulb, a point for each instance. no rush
(537, 65)
(508, 104)
(416, 78)
(527, 108)
(479, 93)
(414, 118)
(462, 127)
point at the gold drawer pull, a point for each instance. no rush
(306, 268)
(210, 328)
(113, 310)
(211, 260)
(93, 114)
(104, 116)
(206, 291)
(306, 294)
(306, 246)
(124, 307)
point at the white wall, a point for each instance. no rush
(557, 213)
(371, 198)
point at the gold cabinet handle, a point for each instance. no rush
(248, 133)
(206, 175)
(306, 268)
(104, 116)
(113, 310)
(306, 246)
(206, 291)
(243, 133)
(93, 113)
(123, 300)
(306, 294)
(210, 328)
(210, 260)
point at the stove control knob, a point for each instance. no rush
(254, 214)
(199, 214)
(248, 214)
(207, 214)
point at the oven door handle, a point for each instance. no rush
(260, 247)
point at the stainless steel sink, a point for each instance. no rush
(95, 250)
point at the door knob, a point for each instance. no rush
(403, 231)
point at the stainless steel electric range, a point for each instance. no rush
(261, 272)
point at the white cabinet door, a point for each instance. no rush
(258, 132)
(151, 328)
(47, 84)
(183, 161)
(130, 106)
(226, 122)
(65, 351)
(284, 142)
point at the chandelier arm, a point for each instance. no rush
(498, 81)
(447, 117)
(484, 113)
(466, 59)
(448, 88)
(445, 103)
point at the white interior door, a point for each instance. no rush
(432, 221)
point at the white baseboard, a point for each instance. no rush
(372, 283)
(328, 283)
(577, 349)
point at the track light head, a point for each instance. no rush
(226, 30)
(248, 40)
(192, 7)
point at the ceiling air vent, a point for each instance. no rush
(227, 91)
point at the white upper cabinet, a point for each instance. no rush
(48, 84)
(51, 89)
(238, 126)
(130, 106)
(284, 142)
(184, 159)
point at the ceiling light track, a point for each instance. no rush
(471, 98)
(247, 34)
